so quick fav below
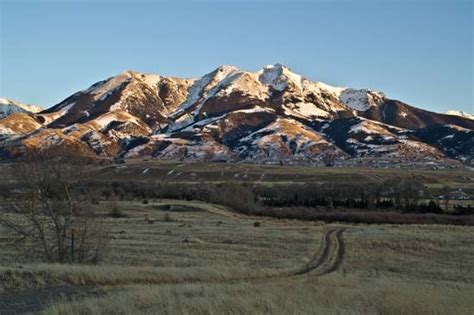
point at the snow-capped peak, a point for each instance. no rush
(8, 107)
(229, 114)
(205, 84)
(226, 69)
(460, 113)
(279, 76)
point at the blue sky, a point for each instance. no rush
(420, 52)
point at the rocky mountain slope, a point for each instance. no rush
(269, 116)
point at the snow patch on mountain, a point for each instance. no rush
(361, 100)
(458, 128)
(460, 113)
(305, 110)
(104, 120)
(5, 131)
(152, 79)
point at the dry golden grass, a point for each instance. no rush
(332, 294)
(208, 260)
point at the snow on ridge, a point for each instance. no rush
(247, 82)
(358, 99)
(334, 90)
(9, 106)
(101, 90)
(278, 76)
(224, 81)
(197, 90)
(460, 113)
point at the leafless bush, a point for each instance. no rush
(115, 211)
(167, 217)
(53, 217)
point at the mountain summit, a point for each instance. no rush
(271, 115)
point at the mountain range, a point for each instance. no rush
(269, 116)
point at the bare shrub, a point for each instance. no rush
(167, 217)
(115, 211)
(447, 190)
(149, 220)
(53, 217)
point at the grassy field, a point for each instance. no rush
(175, 171)
(206, 259)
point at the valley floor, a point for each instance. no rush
(198, 258)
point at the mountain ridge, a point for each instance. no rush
(271, 115)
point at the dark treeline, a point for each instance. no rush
(364, 216)
(238, 196)
(408, 196)
(405, 196)
(390, 202)
(460, 210)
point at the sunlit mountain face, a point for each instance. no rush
(269, 116)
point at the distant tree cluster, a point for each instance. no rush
(403, 195)
(240, 197)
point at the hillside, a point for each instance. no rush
(269, 116)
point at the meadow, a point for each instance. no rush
(194, 257)
(191, 257)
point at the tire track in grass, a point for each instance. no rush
(328, 258)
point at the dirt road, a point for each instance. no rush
(328, 258)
